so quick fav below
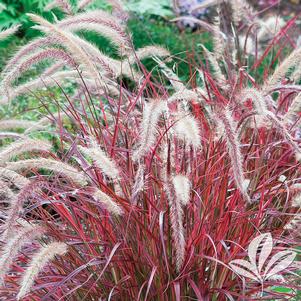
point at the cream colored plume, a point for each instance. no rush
(151, 115)
(8, 32)
(45, 255)
(19, 147)
(16, 179)
(68, 41)
(14, 245)
(56, 166)
(187, 128)
(182, 187)
(107, 202)
(101, 160)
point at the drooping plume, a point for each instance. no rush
(151, 114)
(14, 245)
(68, 41)
(233, 145)
(8, 32)
(45, 255)
(100, 22)
(16, 179)
(56, 166)
(31, 60)
(217, 72)
(19, 147)
(292, 61)
(148, 51)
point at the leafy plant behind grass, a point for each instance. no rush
(160, 183)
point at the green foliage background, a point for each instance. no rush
(149, 24)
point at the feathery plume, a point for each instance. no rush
(151, 114)
(83, 4)
(23, 52)
(64, 5)
(96, 17)
(43, 54)
(16, 207)
(39, 261)
(56, 166)
(217, 72)
(16, 179)
(293, 60)
(51, 81)
(111, 34)
(176, 218)
(187, 95)
(14, 245)
(8, 32)
(219, 39)
(91, 56)
(107, 202)
(233, 144)
(187, 128)
(100, 22)
(182, 188)
(167, 155)
(148, 51)
(101, 160)
(68, 41)
(293, 110)
(19, 147)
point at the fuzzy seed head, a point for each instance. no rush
(182, 188)
(45, 255)
(187, 129)
(107, 202)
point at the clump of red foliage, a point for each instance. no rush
(132, 257)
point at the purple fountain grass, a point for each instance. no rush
(150, 203)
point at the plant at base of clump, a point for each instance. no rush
(160, 189)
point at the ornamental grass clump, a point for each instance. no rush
(158, 185)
